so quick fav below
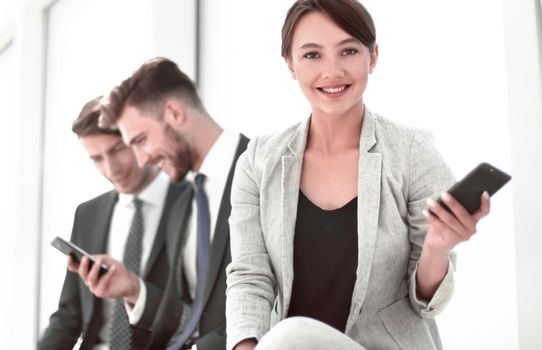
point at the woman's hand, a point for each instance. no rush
(445, 231)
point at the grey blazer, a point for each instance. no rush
(399, 169)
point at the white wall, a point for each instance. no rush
(7, 178)
(244, 82)
(523, 43)
(25, 209)
(467, 70)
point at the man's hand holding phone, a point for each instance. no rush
(118, 282)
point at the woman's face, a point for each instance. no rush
(331, 66)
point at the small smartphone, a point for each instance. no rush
(75, 252)
(485, 177)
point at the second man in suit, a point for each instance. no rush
(103, 225)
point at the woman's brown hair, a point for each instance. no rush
(350, 15)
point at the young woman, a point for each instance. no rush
(334, 224)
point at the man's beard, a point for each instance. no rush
(180, 157)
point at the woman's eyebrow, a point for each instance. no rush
(319, 46)
(349, 41)
(311, 46)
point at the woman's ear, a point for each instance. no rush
(174, 113)
(290, 65)
(374, 59)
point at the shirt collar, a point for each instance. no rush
(153, 194)
(220, 155)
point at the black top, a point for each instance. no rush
(325, 262)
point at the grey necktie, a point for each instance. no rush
(121, 333)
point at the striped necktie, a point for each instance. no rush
(121, 332)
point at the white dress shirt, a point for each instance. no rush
(216, 167)
(153, 198)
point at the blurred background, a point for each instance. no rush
(467, 70)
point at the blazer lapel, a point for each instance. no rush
(97, 244)
(98, 241)
(176, 221)
(292, 164)
(222, 229)
(370, 169)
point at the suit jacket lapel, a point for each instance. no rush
(177, 224)
(160, 238)
(222, 228)
(180, 210)
(370, 169)
(98, 242)
(292, 164)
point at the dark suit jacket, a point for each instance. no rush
(212, 326)
(79, 311)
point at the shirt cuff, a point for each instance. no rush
(135, 312)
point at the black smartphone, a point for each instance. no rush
(485, 177)
(75, 252)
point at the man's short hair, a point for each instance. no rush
(149, 87)
(87, 123)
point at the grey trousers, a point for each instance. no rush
(303, 333)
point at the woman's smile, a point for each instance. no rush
(334, 91)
